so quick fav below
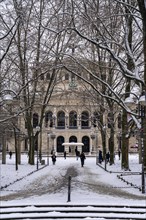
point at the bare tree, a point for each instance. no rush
(35, 59)
(96, 31)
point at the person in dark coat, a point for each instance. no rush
(64, 154)
(119, 153)
(10, 154)
(53, 158)
(100, 156)
(82, 157)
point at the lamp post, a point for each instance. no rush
(96, 143)
(6, 97)
(142, 104)
(37, 130)
(92, 138)
(104, 129)
(48, 149)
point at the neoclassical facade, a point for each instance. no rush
(67, 120)
(70, 121)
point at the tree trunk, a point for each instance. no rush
(125, 143)
(142, 8)
(40, 147)
(4, 150)
(16, 150)
(31, 150)
(103, 143)
(111, 145)
(19, 150)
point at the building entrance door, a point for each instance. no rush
(72, 139)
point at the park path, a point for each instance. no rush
(80, 178)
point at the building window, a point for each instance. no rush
(84, 120)
(35, 120)
(42, 77)
(61, 119)
(110, 120)
(96, 119)
(119, 121)
(48, 119)
(66, 76)
(72, 119)
(48, 77)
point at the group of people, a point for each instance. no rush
(82, 157)
(101, 157)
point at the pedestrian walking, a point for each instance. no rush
(82, 157)
(53, 158)
(10, 154)
(64, 154)
(119, 153)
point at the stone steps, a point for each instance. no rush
(72, 212)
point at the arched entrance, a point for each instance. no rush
(60, 141)
(73, 139)
(72, 148)
(86, 142)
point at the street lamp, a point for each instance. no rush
(6, 97)
(104, 129)
(37, 130)
(48, 149)
(92, 138)
(129, 101)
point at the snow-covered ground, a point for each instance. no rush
(90, 184)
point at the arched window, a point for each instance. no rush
(84, 120)
(86, 142)
(61, 119)
(35, 120)
(96, 118)
(73, 119)
(42, 77)
(48, 76)
(110, 119)
(48, 119)
(60, 141)
(119, 120)
(66, 76)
